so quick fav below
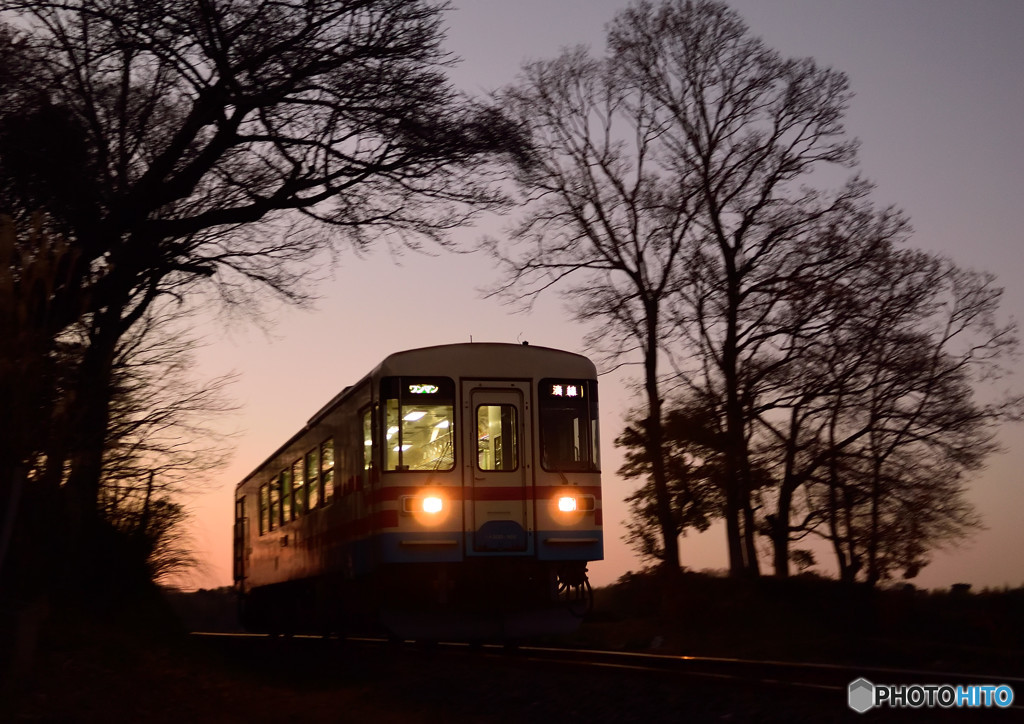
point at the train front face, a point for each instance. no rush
(490, 479)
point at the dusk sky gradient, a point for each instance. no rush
(939, 110)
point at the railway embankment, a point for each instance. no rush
(138, 666)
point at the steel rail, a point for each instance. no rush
(805, 675)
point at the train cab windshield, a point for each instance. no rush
(568, 425)
(419, 423)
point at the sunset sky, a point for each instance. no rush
(939, 109)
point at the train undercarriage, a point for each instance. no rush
(481, 600)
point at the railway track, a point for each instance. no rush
(783, 673)
(814, 684)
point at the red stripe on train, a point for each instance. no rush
(508, 492)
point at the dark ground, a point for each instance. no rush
(137, 665)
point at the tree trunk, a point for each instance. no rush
(750, 537)
(733, 535)
(739, 518)
(874, 574)
(780, 531)
(90, 414)
(780, 522)
(655, 446)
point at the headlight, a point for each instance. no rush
(567, 504)
(431, 504)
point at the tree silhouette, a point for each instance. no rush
(602, 211)
(221, 145)
(745, 128)
(693, 461)
(670, 198)
(668, 177)
(920, 427)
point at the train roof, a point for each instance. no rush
(437, 361)
(499, 358)
(460, 359)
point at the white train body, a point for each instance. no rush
(453, 479)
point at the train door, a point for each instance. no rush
(241, 542)
(499, 476)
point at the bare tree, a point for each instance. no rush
(164, 422)
(163, 443)
(605, 215)
(227, 143)
(667, 176)
(161, 446)
(926, 430)
(877, 403)
(672, 181)
(744, 128)
(823, 335)
(153, 541)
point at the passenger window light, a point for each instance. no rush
(567, 504)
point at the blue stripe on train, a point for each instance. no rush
(455, 546)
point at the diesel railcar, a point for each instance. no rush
(453, 491)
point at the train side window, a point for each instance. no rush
(568, 425)
(313, 477)
(327, 471)
(275, 503)
(264, 508)
(238, 545)
(286, 495)
(298, 489)
(369, 448)
(419, 423)
(497, 439)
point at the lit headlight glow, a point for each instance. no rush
(567, 504)
(428, 507)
